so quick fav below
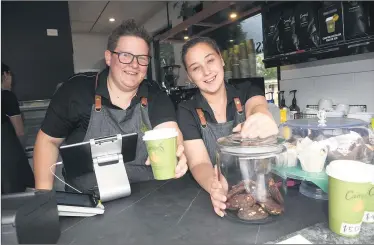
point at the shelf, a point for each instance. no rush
(344, 48)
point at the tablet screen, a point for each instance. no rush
(77, 158)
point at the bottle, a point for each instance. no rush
(272, 99)
(282, 101)
(274, 110)
(294, 108)
(283, 108)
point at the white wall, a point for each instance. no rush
(347, 79)
(89, 52)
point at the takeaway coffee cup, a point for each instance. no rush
(369, 198)
(349, 182)
(162, 147)
(330, 22)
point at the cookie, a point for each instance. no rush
(252, 213)
(274, 192)
(236, 189)
(240, 187)
(272, 207)
(240, 201)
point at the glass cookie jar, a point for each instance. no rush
(256, 190)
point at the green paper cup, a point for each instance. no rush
(330, 22)
(348, 185)
(369, 198)
(162, 147)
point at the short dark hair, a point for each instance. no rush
(4, 68)
(127, 28)
(192, 42)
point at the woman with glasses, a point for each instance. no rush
(216, 111)
(118, 100)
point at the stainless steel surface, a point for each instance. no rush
(110, 170)
(33, 113)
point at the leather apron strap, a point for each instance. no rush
(200, 113)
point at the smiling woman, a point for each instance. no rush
(118, 100)
(216, 111)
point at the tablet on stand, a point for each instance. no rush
(106, 157)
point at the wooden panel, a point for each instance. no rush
(205, 24)
(252, 11)
(199, 17)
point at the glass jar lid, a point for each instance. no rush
(330, 123)
(235, 144)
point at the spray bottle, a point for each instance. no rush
(274, 110)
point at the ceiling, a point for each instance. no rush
(93, 16)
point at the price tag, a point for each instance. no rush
(368, 217)
(350, 229)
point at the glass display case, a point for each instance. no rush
(312, 143)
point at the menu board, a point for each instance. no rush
(358, 19)
(306, 24)
(331, 23)
(271, 25)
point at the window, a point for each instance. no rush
(229, 36)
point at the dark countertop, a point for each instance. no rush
(180, 212)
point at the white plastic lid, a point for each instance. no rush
(350, 171)
(331, 123)
(329, 18)
(162, 133)
(370, 169)
(235, 144)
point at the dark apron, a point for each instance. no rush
(211, 132)
(16, 173)
(104, 122)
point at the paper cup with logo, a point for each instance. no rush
(348, 185)
(162, 147)
(330, 24)
(369, 198)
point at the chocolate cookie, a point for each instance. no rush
(240, 187)
(274, 192)
(272, 207)
(240, 201)
(236, 189)
(252, 213)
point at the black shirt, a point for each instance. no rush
(188, 120)
(70, 108)
(9, 105)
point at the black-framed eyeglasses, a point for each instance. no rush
(127, 58)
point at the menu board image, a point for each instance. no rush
(357, 16)
(331, 23)
(272, 24)
(306, 21)
(287, 34)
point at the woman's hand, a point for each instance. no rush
(218, 193)
(257, 125)
(182, 166)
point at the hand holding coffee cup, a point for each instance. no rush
(162, 151)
